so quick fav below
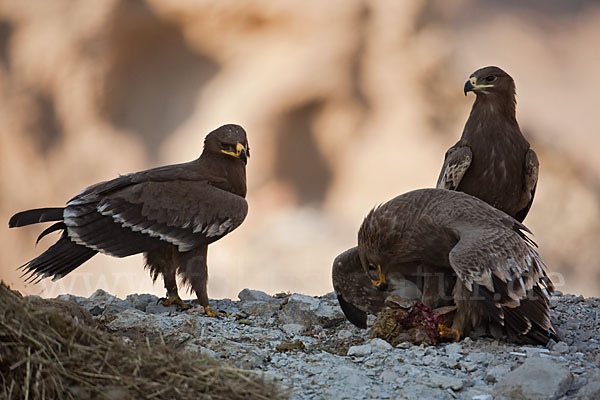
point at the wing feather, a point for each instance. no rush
(456, 163)
(60, 259)
(531, 172)
(137, 217)
(493, 250)
(500, 264)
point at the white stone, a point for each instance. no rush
(292, 329)
(591, 391)
(560, 347)
(534, 351)
(536, 379)
(380, 345)
(389, 376)
(131, 318)
(445, 382)
(494, 374)
(453, 348)
(254, 295)
(344, 334)
(360, 351)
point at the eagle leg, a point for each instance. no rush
(162, 261)
(448, 334)
(194, 271)
(174, 299)
(445, 317)
(212, 313)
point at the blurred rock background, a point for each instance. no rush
(347, 103)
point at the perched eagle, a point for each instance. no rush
(492, 160)
(170, 213)
(500, 279)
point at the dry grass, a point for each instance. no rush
(53, 349)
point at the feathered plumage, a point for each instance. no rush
(492, 160)
(171, 214)
(500, 277)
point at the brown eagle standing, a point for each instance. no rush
(492, 160)
(500, 278)
(170, 213)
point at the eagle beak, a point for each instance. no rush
(471, 85)
(241, 152)
(381, 283)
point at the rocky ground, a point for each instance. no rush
(306, 344)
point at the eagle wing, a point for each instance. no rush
(501, 266)
(181, 172)
(131, 218)
(456, 162)
(485, 253)
(532, 166)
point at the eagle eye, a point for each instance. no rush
(490, 78)
(373, 272)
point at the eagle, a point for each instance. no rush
(500, 279)
(170, 214)
(492, 160)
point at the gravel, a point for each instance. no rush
(305, 344)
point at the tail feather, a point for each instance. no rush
(54, 227)
(528, 322)
(73, 262)
(48, 264)
(59, 260)
(35, 216)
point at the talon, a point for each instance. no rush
(448, 334)
(174, 300)
(210, 313)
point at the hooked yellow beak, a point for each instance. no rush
(472, 85)
(381, 283)
(241, 152)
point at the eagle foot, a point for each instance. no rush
(174, 300)
(211, 313)
(446, 334)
